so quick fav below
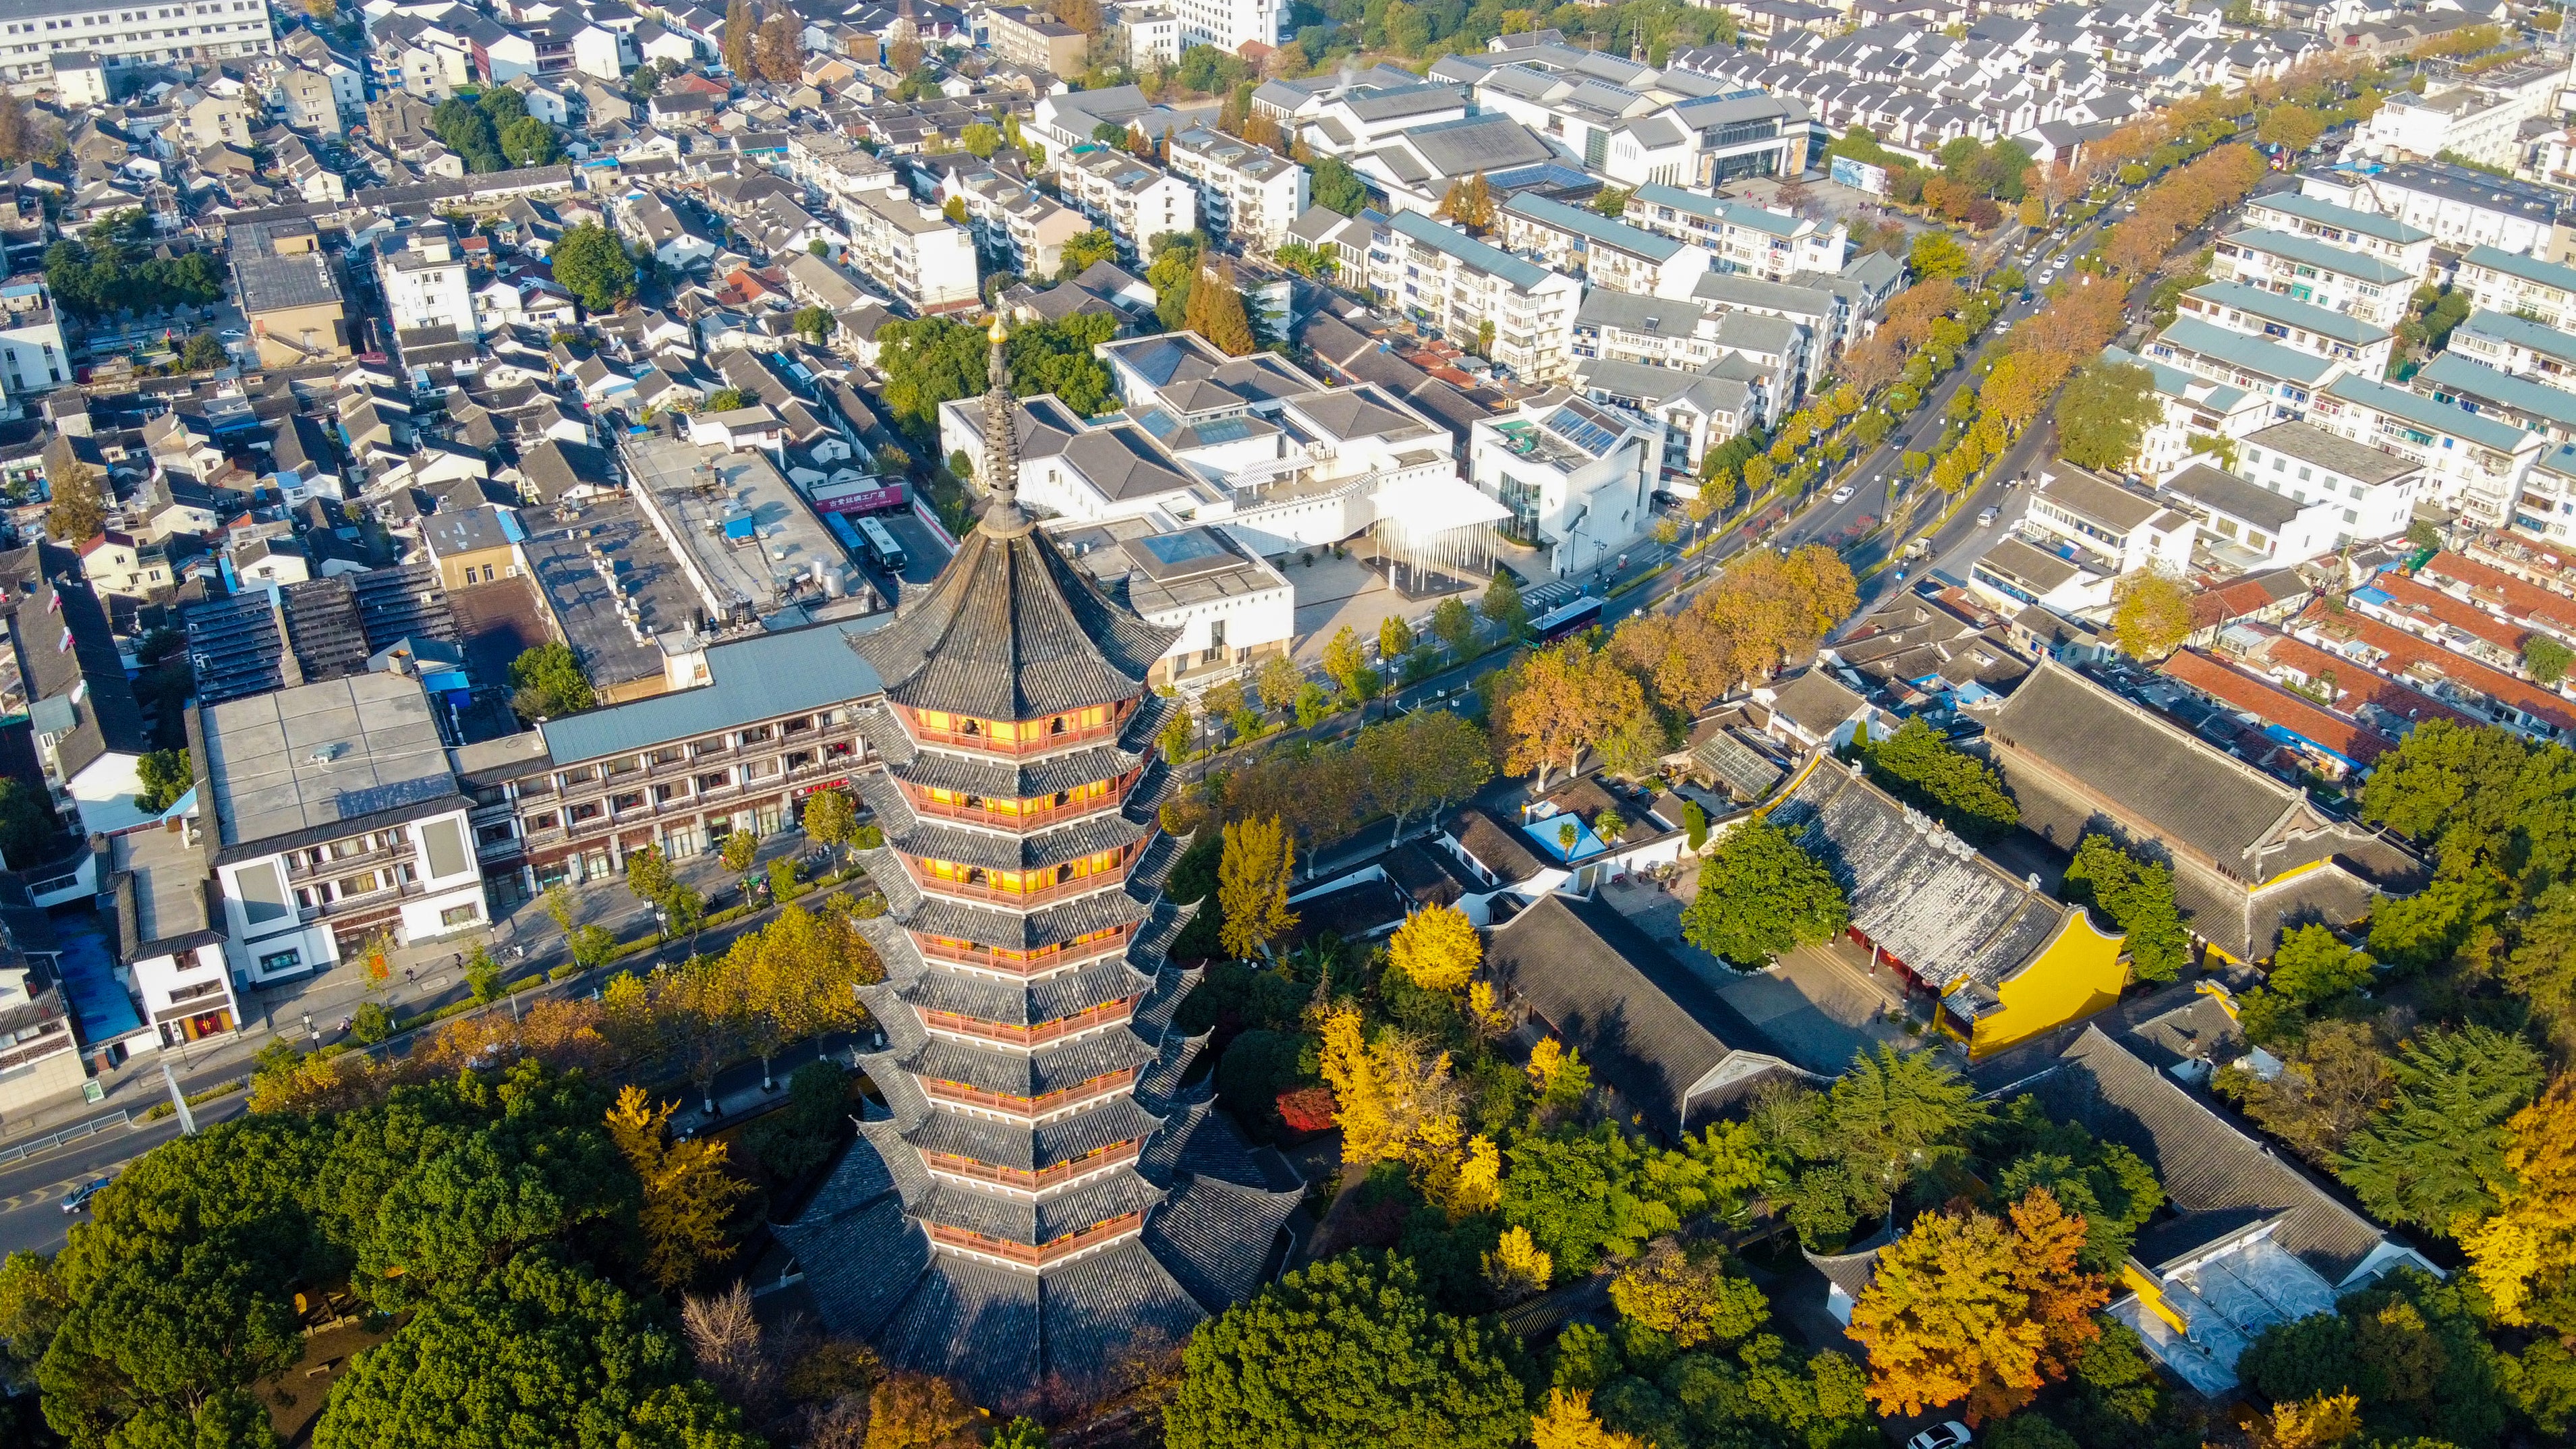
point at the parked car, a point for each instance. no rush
(1952, 1435)
(1985, 516)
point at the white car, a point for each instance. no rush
(1985, 517)
(1843, 494)
(1952, 1435)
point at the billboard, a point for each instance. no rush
(868, 495)
(1858, 174)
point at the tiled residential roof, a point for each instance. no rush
(2325, 256)
(2504, 437)
(1549, 212)
(2266, 359)
(2460, 375)
(2530, 269)
(2274, 705)
(2326, 213)
(2226, 493)
(2291, 312)
(2408, 596)
(1494, 261)
(2509, 596)
(756, 678)
(2405, 654)
(2522, 332)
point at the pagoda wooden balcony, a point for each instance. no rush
(1107, 878)
(1024, 963)
(1105, 1014)
(1033, 817)
(986, 742)
(1045, 1177)
(966, 1096)
(1070, 1243)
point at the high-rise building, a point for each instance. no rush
(1038, 1190)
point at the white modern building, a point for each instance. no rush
(2363, 492)
(2480, 118)
(2124, 529)
(2460, 207)
(168, 936)
(2196, 410)
(1231, 608)
(36, 31)
(424, 282)
(911, 250)
(1229, 25)
(1577, 476)
(2502, 281)
(2296, 213)
(337, 818)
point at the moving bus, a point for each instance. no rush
(1565, 619)
(881, 545)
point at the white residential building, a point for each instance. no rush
(2306, 269)
(2123, 529)
(2300, 326)
(2516, 345)
(1229, 25)
(2410, 248)
(424, 282)
(2364, 492)
(921, 256)
(2195, 409)
(168, 937)
(2473, 464)
(34, 358)
(1739, 237)
(1437, 274)
(2460, 207)
(2479, 119)
(2501, 281)
(1583, 243)
(337, 818)
(1136, 200)
(1247, 192)
(210, 30)
(1577, 476)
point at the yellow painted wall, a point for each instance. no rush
(2152, 1294)
(2076, 974)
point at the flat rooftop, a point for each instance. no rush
(750, 540)
(169, 883)
(290, 761)
(1177, 570)
(566, 557)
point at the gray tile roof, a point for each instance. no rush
(2218, 1179)
(753, 679)
(1650, 1028)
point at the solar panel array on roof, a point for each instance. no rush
(233, 647)
(403, 603)
(1581, 431)
(323, 628)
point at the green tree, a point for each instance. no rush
(32, 1307)
(1216, 312)
(2546, 658)
(548, 683)
(928, 361)
(1085, 250)
(2151, 616)
(1343, 1352)
(2313, 966)
(831, 818)
(204, 353)
(1057, 357)
(724, 400)
(1937, 255)
(30, 833)
(813, 324)
(1454, 624)
(166, 775)
(1337, 187)
(1582, 1195)
(1926, 771)
(583, 1365)
(528, 141)
(2136, 896)
(1502, 606)
(2427, 1158)
(1761, 893)
(980, 140)
(2104, 413)
(79, 513)
(592, 264)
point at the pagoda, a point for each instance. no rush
(1039, 1189)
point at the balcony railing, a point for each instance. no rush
(980, 740)
(302, 869)
(1038, 1106)
(1045, 1177)
(377, 897)
(54, 1041)
(1114, 1228)
(1106, 1013)
(1031, 963)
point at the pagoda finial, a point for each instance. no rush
(1001, 438)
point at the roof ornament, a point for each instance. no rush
(1002, 515)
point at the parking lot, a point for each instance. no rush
(923, 554)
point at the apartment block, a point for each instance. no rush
(38, 31)
(1136, 200)
(2196, 410)
(1584, 243)
(2516, 345)
(1247, 192)
(1229, 25)
(424, 281)
(2460, 207)
(2480, 119)
(1437, 274)
(2308, 269)
(2345, 227)
(774, 722)
(2288, 322)
(1033, 39)
(2472, 463)
(913, 251)
(2502, 281)
(2365, 492)
(1021, 226)
(1739, 237)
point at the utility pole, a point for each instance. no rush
(179, 1099)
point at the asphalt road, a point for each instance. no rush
(32, 1192)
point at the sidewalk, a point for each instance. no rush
(308, 1012)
